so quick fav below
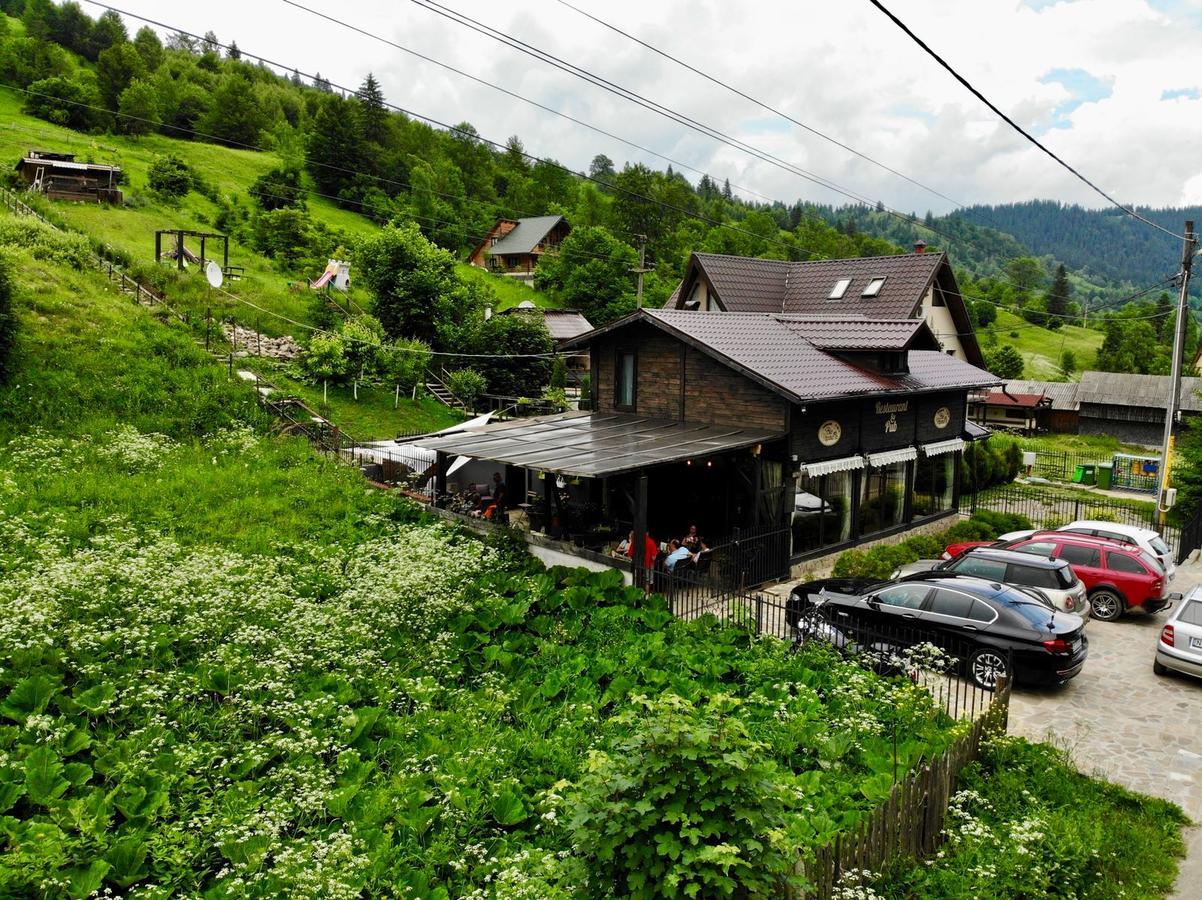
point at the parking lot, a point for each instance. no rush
(1121, 721)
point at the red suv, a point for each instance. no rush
(1117, 576)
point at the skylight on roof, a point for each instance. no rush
(839, 289)
(873, 288)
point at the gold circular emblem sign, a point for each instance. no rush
(829, 433)
(943, 415)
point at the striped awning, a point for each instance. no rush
(829, 466)
(889, 457)
(940, 447)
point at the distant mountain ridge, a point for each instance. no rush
(1102, 243)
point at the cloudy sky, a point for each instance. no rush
(1112, 86)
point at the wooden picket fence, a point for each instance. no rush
(910, 822)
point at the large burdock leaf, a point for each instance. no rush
(30, 697)
(84, 881)
(44, 779)
(508, 809)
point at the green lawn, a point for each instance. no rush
(1041, 349)
(130, 229)
(373, 415)
(509, 292)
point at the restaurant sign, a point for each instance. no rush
(890, 411)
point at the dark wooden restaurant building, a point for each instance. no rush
(819, 431)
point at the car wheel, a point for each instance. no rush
(1159, 669)
(985, 666)
(1107, 605)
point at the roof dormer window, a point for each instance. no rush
(839, 289)
(873, 288)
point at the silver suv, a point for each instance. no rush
(1054, 578)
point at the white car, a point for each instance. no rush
(1144, 538)
(1180, 647)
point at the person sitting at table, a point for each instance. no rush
(692, 540)
(650, 550)
(678, 553)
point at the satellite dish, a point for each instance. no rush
(213, 274)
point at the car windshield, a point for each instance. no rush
(1159, 546)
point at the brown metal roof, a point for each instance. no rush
(590, 445)
(754, 285)
(1029, 401)
(861, 334)
(744, 284)
(771, 350)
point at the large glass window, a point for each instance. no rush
(624, 378)
(882, 498)
(822, 511)
(934, 481)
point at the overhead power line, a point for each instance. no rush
(1009, 121)
(473, 136)
(760, 103)
(456, 130)
(500, 36)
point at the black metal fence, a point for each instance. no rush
(1050, 508)
(894, 650)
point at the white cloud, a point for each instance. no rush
(840, 67)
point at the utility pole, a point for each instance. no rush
(1187, 259)
(642, 269)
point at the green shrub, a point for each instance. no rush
(45, 242)
(925, 546)
(685, 803)
(969, 531)
(468, 385)
(170, 177)
(1001, 522)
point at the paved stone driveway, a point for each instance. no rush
(1123, 722)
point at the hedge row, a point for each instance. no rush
(882, 560)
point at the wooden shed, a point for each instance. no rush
(60, 177)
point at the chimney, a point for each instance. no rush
(920, 246)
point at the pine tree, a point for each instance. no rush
(726, 194)
(1164, 311)
(296, 79)
(1058, 298)
(373, 116)
(233, 52)
(335, 146)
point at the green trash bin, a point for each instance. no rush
(1089, 473)
(1078, 474)
(1105, 475)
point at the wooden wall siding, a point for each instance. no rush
(863, 428)
(711, 393)
(717, 395)
(928, 404)
(804, 442)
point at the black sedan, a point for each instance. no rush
(990, 628)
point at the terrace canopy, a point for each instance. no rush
(594, 445)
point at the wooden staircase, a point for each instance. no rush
(438, 389)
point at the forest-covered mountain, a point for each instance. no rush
(1100, 243)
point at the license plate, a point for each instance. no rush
(1195, 643)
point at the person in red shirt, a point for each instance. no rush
(650, 550)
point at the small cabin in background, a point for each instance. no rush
(512, 247)
(562, 324)
(60, 177)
